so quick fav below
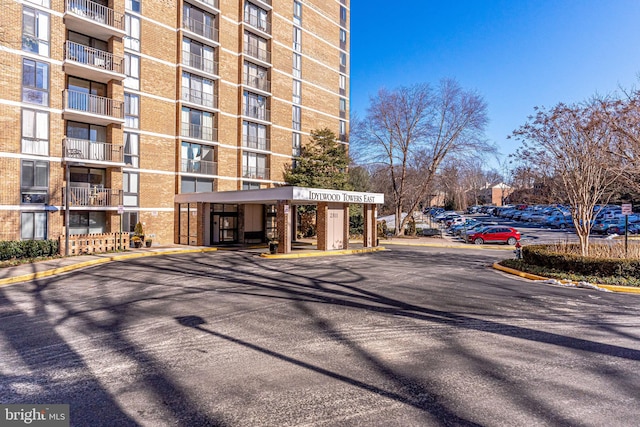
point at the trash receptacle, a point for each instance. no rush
(273, 247)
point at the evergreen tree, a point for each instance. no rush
(322, 163)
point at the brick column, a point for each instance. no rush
(321, 225)
(345, 227)
(283, 224)
(369, 237)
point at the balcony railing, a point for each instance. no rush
(93, 196)
(198, 97)
(199, 132)
(255, 172)
(199, 62)
(201, 28)
(256, 112)
(86, 151)
(204, 167)
(92, 104)
(92, 57)
(255, 142)
(258, 53)
(260, 24)
(96, 12)
(257, 82)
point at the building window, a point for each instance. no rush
(296, 146)
(131, 110)
(189, 184)
(198, 56)
(255, 106)
(130, 188)
(197, 124)
(256, 76)
(297, 13)
(254, 135)
(132, 28)
(132, 149)
(343, 38)
(197, 158)
(343, 105)
(297, 65)
(198, 90)
(250, 186)
(342, 134)
(343, 15)
(254, 166)
(34, 181)
(132, 71)
(35, 132)
(87, 222)
(199, 22)
(133, 5)
(343, 60)
(297, 92)
(296, 113)
(33, 225)
(35, 31)
(35, 82)
(256, 47)
(255, 16)
(297, 39)
(343, 84)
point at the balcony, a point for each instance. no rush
(258, 53)
(257, 82)
(203, 167)
(92, 196)
(204, 30)
(262, 25)
(255, 172)
(84, 107)
(207, 100)
(92, 153)
(256, 112)
(199, 132)
(199, 62)
(93, 19)
(255, 142)
(92, 64)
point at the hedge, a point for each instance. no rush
(25, 249)
(542, 256)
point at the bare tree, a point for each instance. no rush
(411, 130)
(573, 143)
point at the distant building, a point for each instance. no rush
(495, 194)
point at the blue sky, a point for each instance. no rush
(517, 54)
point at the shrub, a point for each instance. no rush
(549, 256)
(26, 249)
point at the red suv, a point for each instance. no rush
(495, 233)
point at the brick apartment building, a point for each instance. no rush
(111, 108)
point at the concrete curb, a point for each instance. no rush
(450, 245)
(612, 288)
(47, 273)
(323, 253)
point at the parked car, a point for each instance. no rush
(495, 234)
(602, 226)
(561, 222)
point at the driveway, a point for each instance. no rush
(411, 336)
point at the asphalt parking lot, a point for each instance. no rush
(411, 336)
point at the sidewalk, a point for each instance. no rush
(37, 270)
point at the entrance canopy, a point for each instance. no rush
(295, 195)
